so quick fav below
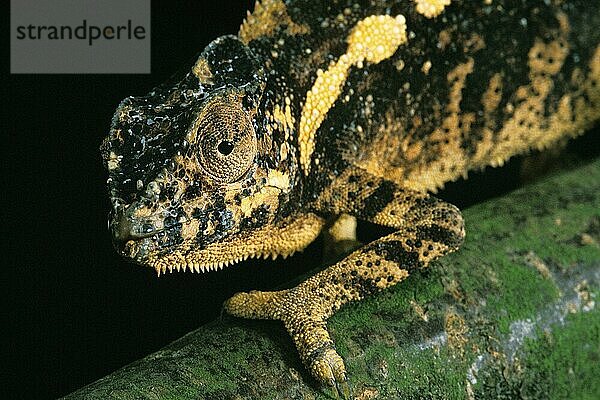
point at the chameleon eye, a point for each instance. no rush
(227, 142)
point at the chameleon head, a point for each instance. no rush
(191, 162)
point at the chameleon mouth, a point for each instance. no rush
(166, 252)
(189, 256)
(156, 249)
(125, 228)
(140, 241)
(204, 260)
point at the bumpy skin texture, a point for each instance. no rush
(319, 109)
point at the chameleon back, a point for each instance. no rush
(469, 87)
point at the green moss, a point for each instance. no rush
(431, 374)
(565, 364)
(561, 363)
(522, 293)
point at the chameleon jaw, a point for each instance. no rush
(293, 234)
(162, 267)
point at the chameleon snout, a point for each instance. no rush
(128, 232)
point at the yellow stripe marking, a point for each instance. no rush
(373, 39)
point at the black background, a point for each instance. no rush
(76, 310)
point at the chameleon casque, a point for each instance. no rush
(325, 110)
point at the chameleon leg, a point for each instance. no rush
(343, 229)
(426, 228)
(340, 238)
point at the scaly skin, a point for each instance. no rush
(356, 109)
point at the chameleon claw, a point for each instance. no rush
(328, 367)
(341, 389)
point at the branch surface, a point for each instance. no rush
(510, 315)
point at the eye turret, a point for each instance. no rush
(226, 141)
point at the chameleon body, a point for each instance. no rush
(321, 109)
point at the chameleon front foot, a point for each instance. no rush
(307, 327)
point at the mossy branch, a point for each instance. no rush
(512, 314)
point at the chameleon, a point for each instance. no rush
(318, 113)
